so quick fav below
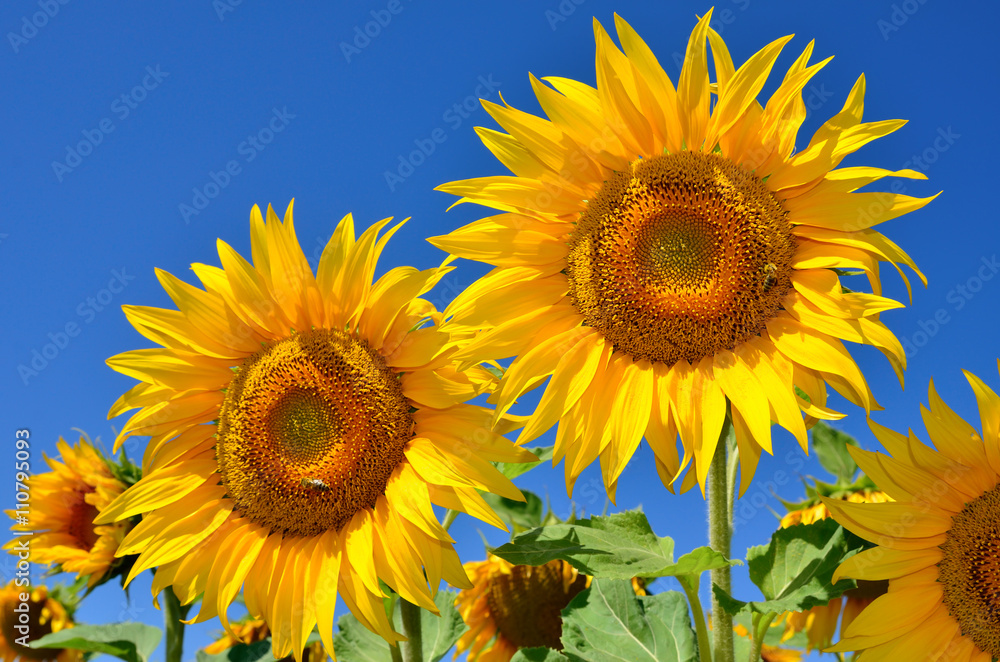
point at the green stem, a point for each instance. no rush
(173, 621)
(413, 649)
(720, 531)
(698, 616)
(760, 625)
(395, 653)
(449, 517)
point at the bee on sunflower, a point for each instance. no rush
(302, 426)
(668, 245)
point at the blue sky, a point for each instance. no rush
(135, 134)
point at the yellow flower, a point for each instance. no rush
(301, 428)
(518, 606)
(820, 622)
(662, 250)
(251, 631)
(45, 615)
(64, 503)
(514, 606)
(937, 542)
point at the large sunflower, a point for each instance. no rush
(301, 427)
(64, 503)
(820, 622)
(45, 615)
(938, 544)
(662, 250)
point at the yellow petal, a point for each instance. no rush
(989, 412)
(889, 616)
(630, 413)
(880, 563)
(693, 88)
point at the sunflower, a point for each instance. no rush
(518, 606)
(64, 503)
(45, 615)
(515, 606)
(938, 543)
(301, 428)
(249, 631)
(662, 251)
(820, 622)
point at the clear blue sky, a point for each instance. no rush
(118, 115)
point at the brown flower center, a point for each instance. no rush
(310, 431)
(81, 521)
(680, 256)
(970, 571)
(526, 603)
(42, 614)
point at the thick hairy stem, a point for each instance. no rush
(173, 613)
(413, 649)
(720, 531)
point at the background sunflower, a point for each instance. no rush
(75, 250)
(46, 614)
(66, 500)
(936, 542)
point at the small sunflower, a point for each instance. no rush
(938, 542)
(518, 606)
(667, 245)
(301, 428)
(45, 615)
(252, 630)
(515, 606)
(64, 503)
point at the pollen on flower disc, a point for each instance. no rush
(310, 431)
(969, 571)
(680, 256)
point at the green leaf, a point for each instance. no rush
(520, 515)
(132, 642)
(259, 651)
(795, 571)
(608, 622)
(439, 633)
(514, 469)
(698, 561)
(355, 642)
(540, 654)
(619, 546)
(831, 449)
